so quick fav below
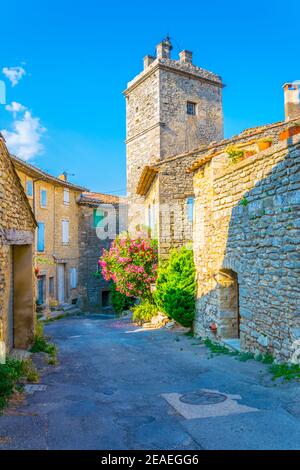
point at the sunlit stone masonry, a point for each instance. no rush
(246, 245)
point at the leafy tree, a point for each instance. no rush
(120, 302)
(131, 265)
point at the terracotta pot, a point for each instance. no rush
(289, 132)
(263, 145)
(249, 153)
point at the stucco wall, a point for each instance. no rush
(52, 215)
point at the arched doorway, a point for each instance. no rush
(228, 304)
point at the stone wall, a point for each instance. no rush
(91, 288)
(157, 123)
(182, 132)
(142, 139)
(17, 227)
(246, 237)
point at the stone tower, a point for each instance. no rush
(172, 106)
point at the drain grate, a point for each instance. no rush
(202, 397)
(31, 388)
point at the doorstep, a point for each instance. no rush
(232, 343)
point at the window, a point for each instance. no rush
(43, 198)
(51, 286)
(66, 196)
(65, 231)
(191, 108)
(73, 278)
(152, 218)
(98, 218)
(105, 297)
(29, 188)
(41, 237)
(190, 208)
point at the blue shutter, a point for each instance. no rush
(43, 198)
(190, 209)
(98, 218)
(29, 188)
(41, 237)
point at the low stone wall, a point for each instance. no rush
(246, 243)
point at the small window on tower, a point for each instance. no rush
(191, 108)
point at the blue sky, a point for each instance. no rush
(79, 55)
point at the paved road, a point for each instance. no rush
(117, 388)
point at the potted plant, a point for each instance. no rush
(293, 130)
(235, 154)
(249, 153)
(264, 144)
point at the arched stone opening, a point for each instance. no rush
(228, 304)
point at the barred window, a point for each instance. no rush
(191, 108)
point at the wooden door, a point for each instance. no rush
(11, 299)
(61, 282)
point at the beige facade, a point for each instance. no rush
(17, 226)
(54, 203)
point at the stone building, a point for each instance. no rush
(172, 106)
(54, 203)
(166, 185)
(101, 218)
(247, 239)
(17, 226)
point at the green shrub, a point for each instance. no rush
(42, 345)
(234, 153)
(144, 311)
(40, 342)
(176, 286)
(10, 373)
(120, 301)
(285, 371)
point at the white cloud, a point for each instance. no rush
(14, 74)
(24, 140)
(15, 108)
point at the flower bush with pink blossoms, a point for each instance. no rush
(131, 265)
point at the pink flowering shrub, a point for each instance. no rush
(131, 265)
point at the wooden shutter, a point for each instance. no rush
(73, 278)
(98, 218)
(65, 231)
(66, 196)
(43, 198)
(41, 236)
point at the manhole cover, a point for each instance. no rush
(203, 398)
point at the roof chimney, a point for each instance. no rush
(291, 100)
(63, 176)
(163, 49)
(186, 56)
